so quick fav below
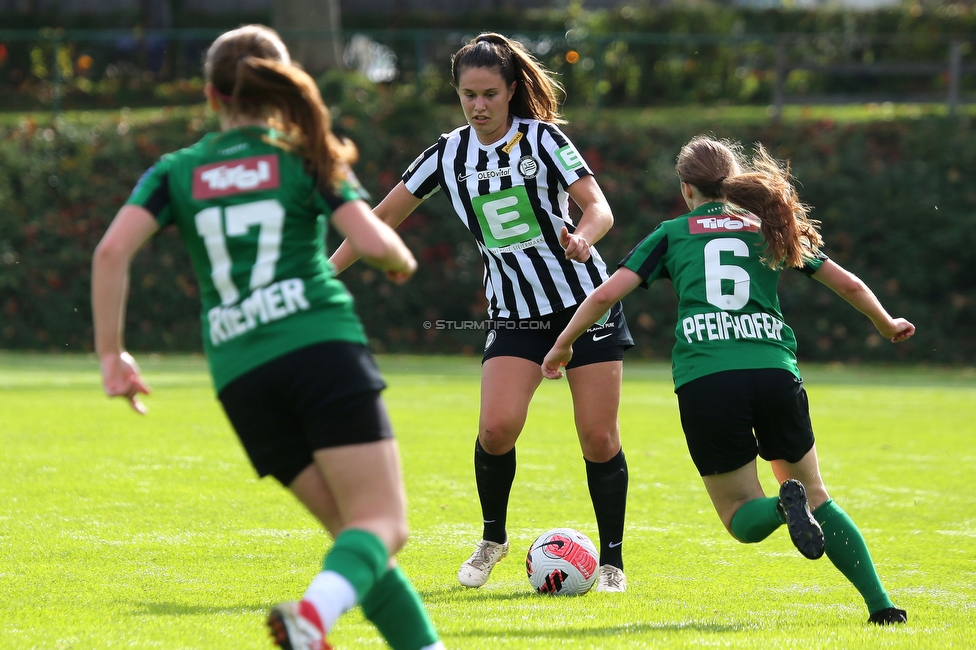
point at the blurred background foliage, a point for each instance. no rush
(895, 196)
(892, 186)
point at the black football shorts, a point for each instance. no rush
(532, 338)
(321, 396)
(731, 417)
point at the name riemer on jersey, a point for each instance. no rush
(264, 305)
(721, 326)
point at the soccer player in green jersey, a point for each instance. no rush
(739, 391)
(286, 350)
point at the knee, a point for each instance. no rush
(497, 436)
(600, 445)
(398, 537)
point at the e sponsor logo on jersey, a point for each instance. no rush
(528, 167)
(708, 225)
(236, 177)
(508, 222)
(569, 158)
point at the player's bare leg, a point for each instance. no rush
(596, 399)
(507, 387)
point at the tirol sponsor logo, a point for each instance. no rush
(236, 177)
(561, 546)
(721, 223)
(528, 167)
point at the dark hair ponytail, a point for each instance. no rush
(536, 90)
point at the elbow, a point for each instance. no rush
(604, 296)
(372, 251)
(107, 253)
(852, 289)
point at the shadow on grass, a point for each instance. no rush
(579, 632)
(184, 609)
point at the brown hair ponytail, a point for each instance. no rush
(252, 74)
(761, 186)
(537, 92)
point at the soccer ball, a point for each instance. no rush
(562, 561)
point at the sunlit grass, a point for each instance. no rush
(120, 531)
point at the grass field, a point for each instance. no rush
(124, 532)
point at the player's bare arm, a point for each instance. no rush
(392, 210)
(594, 223)
(369, 237)
(132, 226)
(852, 289)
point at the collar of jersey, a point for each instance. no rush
(500, 141)
(713, 207)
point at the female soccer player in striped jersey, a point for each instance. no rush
(510, 173)
(739, 390)
(286, 351)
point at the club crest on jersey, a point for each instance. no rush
(528, 167)
(722, 223)
(236, 177)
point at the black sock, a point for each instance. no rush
(608, 491)
(494, 475)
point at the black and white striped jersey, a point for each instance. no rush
(512, 196)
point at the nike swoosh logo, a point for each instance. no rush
(599, 337)
(612, 545)
(490, 521)
(461, 178)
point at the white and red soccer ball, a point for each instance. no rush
(562, 561)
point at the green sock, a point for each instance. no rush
(394, 607)
(755, 520)
(847, 550)
(359, 557)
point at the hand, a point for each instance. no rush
(120, 378)
(557, 359)
(398, 277)
(898, 331)
(577, 248)
(404, 273)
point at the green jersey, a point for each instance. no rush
(728, 309)
(254, 223)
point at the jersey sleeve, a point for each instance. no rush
(152, 192)
(647, 258)
(422, 177)
(812, 264)
(562, 155)
(350, 189)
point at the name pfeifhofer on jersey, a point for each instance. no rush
(728, 314)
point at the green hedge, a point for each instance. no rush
(895, 197)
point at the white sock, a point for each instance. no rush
(435, 646)
(331, 595)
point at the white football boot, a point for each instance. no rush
(611, 579)
(476, 569)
